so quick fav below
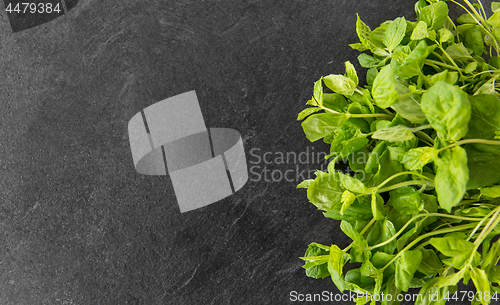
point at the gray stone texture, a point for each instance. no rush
(79, 225)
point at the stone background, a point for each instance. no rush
(78, 225)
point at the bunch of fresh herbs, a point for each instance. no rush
(422, 138)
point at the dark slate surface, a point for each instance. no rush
(80, 226)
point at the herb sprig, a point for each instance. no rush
(423, 139)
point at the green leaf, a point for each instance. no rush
(451, 279)
(474, 40)
(367, 269)
(352, 213)
(471, 67)
(390, 289)
(432, 35)
(485, 121)
(451, 177)
(400, 53)
(380, 259)
(406, 265)
(419, 5)
(458, 51)
(351, 73)
(406, 200)
(481, 282)
(335, 266)
(407, 106)
(435, 14)
(387, 232)
(394, 33)
(484, 124)
(353, 145)
(394, 134)
(372, 164)
(340, 84)
(475, 212)
(352, 129)
(320, 125)
(306, 112)
(305, 184)
(445, 35)
(352, 184)
(356, 281)
(363, 32)
(457, 249)
(487, 87)
(377, 204)
(373, 233)
(387, 168)
(448, 110)
(446, 76)
(364, 99)
(318, 92)
(409, 236)
(494, 274)
(430, 264)
(370, 75)
(316, 271)
(494, 61)
(420, 31)
(335, 101)
(379, 280)
(413, 63)
(312, 102)
(325, 192)
(466, 19)
(493, 192)
(380, 124)
(384, 88)
(495, 7)
(396, 153)
(359, 46)
(377, 37)
(347, 199)
(367, 61)
(494, 20)
(357, 160)
(416, 158)
(353, 234)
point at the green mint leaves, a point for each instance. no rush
(447, 109)
(423, 139)
(394, 33)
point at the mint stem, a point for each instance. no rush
(469, 141)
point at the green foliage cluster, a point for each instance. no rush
(423, 205)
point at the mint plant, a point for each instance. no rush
(423, 139)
